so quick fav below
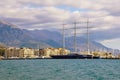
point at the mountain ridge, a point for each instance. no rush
(13, 36)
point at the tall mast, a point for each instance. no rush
(88, 43)
(75, 49)
(63, 33)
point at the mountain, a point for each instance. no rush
(49, 37)
(54, 39)
(11, 35)
(81, 44)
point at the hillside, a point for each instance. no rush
(81, 44)
(10, 35)
(13, 36)
(55, 39)
(48, 37)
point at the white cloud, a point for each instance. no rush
(103, 14)
(112, 43)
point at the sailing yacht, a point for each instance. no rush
(75, 54)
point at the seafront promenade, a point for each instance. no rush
(29, 53)
(13, 53)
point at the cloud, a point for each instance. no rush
(100, 35)
(112, 43)
(46, 14)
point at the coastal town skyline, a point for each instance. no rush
(104, 16)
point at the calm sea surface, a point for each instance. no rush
(52, 69)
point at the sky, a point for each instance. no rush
(104, 16)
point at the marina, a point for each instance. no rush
(61, 52)
(59, 40)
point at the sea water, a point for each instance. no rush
(60, 69)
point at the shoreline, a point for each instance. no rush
(49, 58)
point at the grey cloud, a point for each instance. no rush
(15, 20)
(105, 34)
(33, 14)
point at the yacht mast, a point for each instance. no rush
(63, 33)
(75, 49)
(88, 43)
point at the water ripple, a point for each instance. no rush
(68, 69)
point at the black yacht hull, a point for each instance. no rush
(73, 56)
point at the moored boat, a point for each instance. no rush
(72, 56)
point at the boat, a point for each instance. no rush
(75, 54)
(72, 56)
